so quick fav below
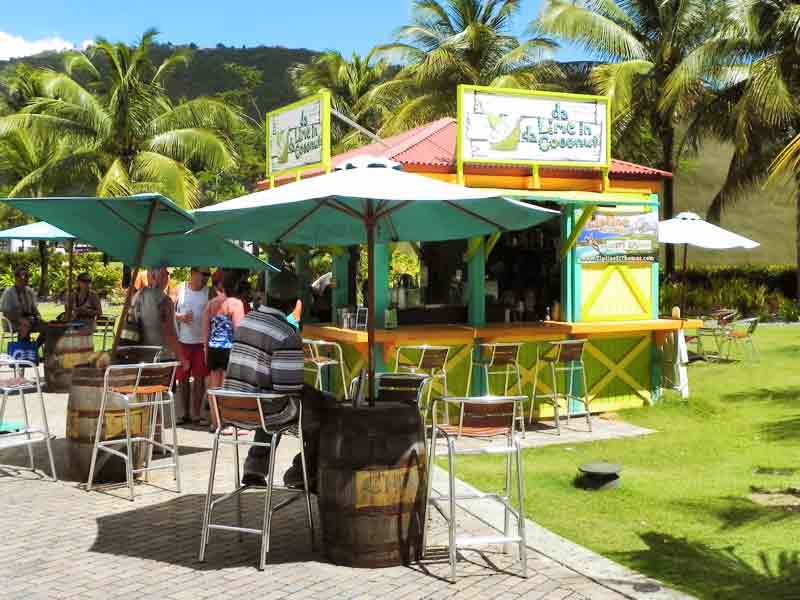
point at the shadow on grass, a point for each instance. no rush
(717, 573)
(786, 395)
(739, 512)
(782, 430)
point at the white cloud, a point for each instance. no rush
(85, 44)
(12, 46)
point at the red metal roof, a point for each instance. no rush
(433, 146)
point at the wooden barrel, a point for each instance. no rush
(372, 465)
(83, 408)
(65, 348)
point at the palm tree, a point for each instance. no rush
(757, 55)
(349, 82)
(450, 42)
(27, 159)
(123, 126)
(645, 41)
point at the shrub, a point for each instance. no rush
(105, 278)
(752, 290)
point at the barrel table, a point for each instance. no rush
(372, 474)
(66, 346)
(83, 408)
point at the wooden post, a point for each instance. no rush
(137, 262)
(370, 303)
(70, 283)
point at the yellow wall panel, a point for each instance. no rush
(615, 291)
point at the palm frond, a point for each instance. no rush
(202, 113)
(154, 172)
(115, 181)
(593, 31)
(193, 146)
(180, 58)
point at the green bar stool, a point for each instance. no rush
(564, 356)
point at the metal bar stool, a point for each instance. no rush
(499, 359)
(400, 387)
(142, 385)
(242, 410)
(104, 329)
(7, 333)
(15, 386)
(433, 362)
(563, 356)
(485, 417)
(317, 356)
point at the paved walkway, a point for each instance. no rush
(62, 542)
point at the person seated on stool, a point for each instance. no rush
(85, 301)
(267, 357)
(19, 306)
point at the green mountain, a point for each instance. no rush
(208, 73)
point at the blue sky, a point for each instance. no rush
(346, 25)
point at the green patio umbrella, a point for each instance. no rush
(368, 201)
(144, 230)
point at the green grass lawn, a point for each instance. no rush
(682, 513)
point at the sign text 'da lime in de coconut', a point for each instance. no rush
(298, 135)
(503, 125)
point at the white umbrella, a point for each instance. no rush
(688, 228)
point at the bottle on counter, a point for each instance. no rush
(547, 314)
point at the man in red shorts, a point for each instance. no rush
(190, 305)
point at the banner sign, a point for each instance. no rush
(612, 238)
(515, 126)
(298, 135)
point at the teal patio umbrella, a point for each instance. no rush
(144, 230)
(370, 201)
(44, 232)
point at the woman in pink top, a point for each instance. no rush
(222, 316)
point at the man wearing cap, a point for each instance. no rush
(19, 306)
(267, 357)
(190, 305)
(85, 301)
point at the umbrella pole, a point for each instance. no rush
(370, 306)
(71, 261)
(685, 279)
(129, 294)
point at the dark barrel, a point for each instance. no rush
(83, 408)
(372, 465)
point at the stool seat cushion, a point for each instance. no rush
(474, 431)
(142, 389)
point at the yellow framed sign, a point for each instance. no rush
(510, 126)
(299, 136)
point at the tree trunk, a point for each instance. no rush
(668, 205)
(44, 265)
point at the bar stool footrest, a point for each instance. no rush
(486, 540)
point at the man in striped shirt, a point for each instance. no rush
(267, 357)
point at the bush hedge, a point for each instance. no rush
(765, 291)
(105, 278)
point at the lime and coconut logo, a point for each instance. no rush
(535, 129)
(296, 138)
